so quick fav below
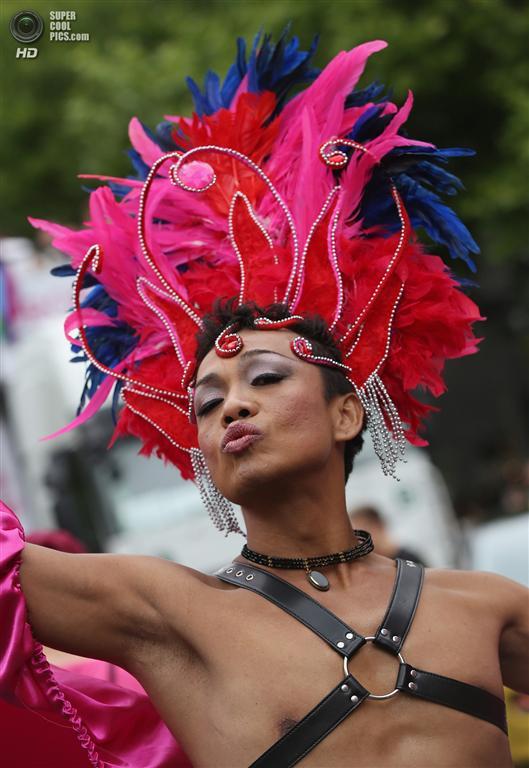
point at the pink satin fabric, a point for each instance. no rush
(60, 718)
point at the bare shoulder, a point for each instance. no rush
(483, 589)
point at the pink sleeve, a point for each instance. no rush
(58, 717)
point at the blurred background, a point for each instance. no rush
(463, 501)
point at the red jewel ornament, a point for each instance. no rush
(228, 344)
(301, 347)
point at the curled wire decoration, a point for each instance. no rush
(93, 259)
(266, 324)
(142, 235)
(303, 349)
(300, 272)
(245, 160)
(174, 175)
(156, 426)
(141, 282)
(337, 158)
(403, 238)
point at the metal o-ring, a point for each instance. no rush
(374, 695)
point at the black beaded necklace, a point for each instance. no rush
(317, 579)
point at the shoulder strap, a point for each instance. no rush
(320, 721)
(402, 606)
(316, 617)
(452, 693)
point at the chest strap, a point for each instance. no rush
(315, 726)
(297, 603)
(349, 693)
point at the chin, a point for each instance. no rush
(262, 476)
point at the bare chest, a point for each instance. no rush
(258, 672)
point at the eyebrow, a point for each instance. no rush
(210, 378)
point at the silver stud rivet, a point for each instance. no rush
(384, 632)
(412, 686)
(340, 644)
(345, 688)
(239, 573)
(354, 699)
(229, 570)
(349, 635)
(413, 673)
(249, 577)
(395, 638)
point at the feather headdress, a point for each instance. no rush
(310, 200)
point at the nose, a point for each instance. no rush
(237, 407)
(243, 413)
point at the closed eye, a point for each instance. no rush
(207, 407)
(266, 378)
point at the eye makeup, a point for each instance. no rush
(256, 373)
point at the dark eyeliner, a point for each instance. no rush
(207, 407)
(268, 378)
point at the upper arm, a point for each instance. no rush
(97, 605)
(513, 600)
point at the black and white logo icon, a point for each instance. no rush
(26, 26)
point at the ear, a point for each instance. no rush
(348, 417)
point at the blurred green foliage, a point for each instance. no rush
(67, 111)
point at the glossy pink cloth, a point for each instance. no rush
(60, 718)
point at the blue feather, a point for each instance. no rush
(270, 67)
(361, 96)
(165, 136)
(141, 168)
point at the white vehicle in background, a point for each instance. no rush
(417, 508)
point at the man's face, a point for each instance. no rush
(267, 388)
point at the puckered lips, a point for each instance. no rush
(239, 436)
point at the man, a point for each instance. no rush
(337, 316)
(221, 661)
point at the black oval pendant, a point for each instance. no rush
(318, 580)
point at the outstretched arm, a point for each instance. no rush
(96, 605)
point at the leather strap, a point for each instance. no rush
(337, 705)
(452, 693)
(315, 726)
(323, 622)
(402, 606)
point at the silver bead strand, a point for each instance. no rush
(389, 445)
(218, 507)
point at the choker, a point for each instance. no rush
(315, 578)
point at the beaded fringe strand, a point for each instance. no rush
(218, 507)
(389, 444)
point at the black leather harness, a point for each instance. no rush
(349, 694)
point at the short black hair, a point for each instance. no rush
(314, 328)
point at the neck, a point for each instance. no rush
(303, 518)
